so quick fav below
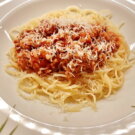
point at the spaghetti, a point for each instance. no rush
(70, 58)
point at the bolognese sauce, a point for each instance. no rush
(65, 46)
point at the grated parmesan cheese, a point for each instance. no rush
(64, 44)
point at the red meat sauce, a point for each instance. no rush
(71, 48)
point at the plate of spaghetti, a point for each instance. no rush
(69, 66)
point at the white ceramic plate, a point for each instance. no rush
(115, 114)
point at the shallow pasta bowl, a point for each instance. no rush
(114, 115)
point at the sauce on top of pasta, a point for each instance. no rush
(64, 46)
